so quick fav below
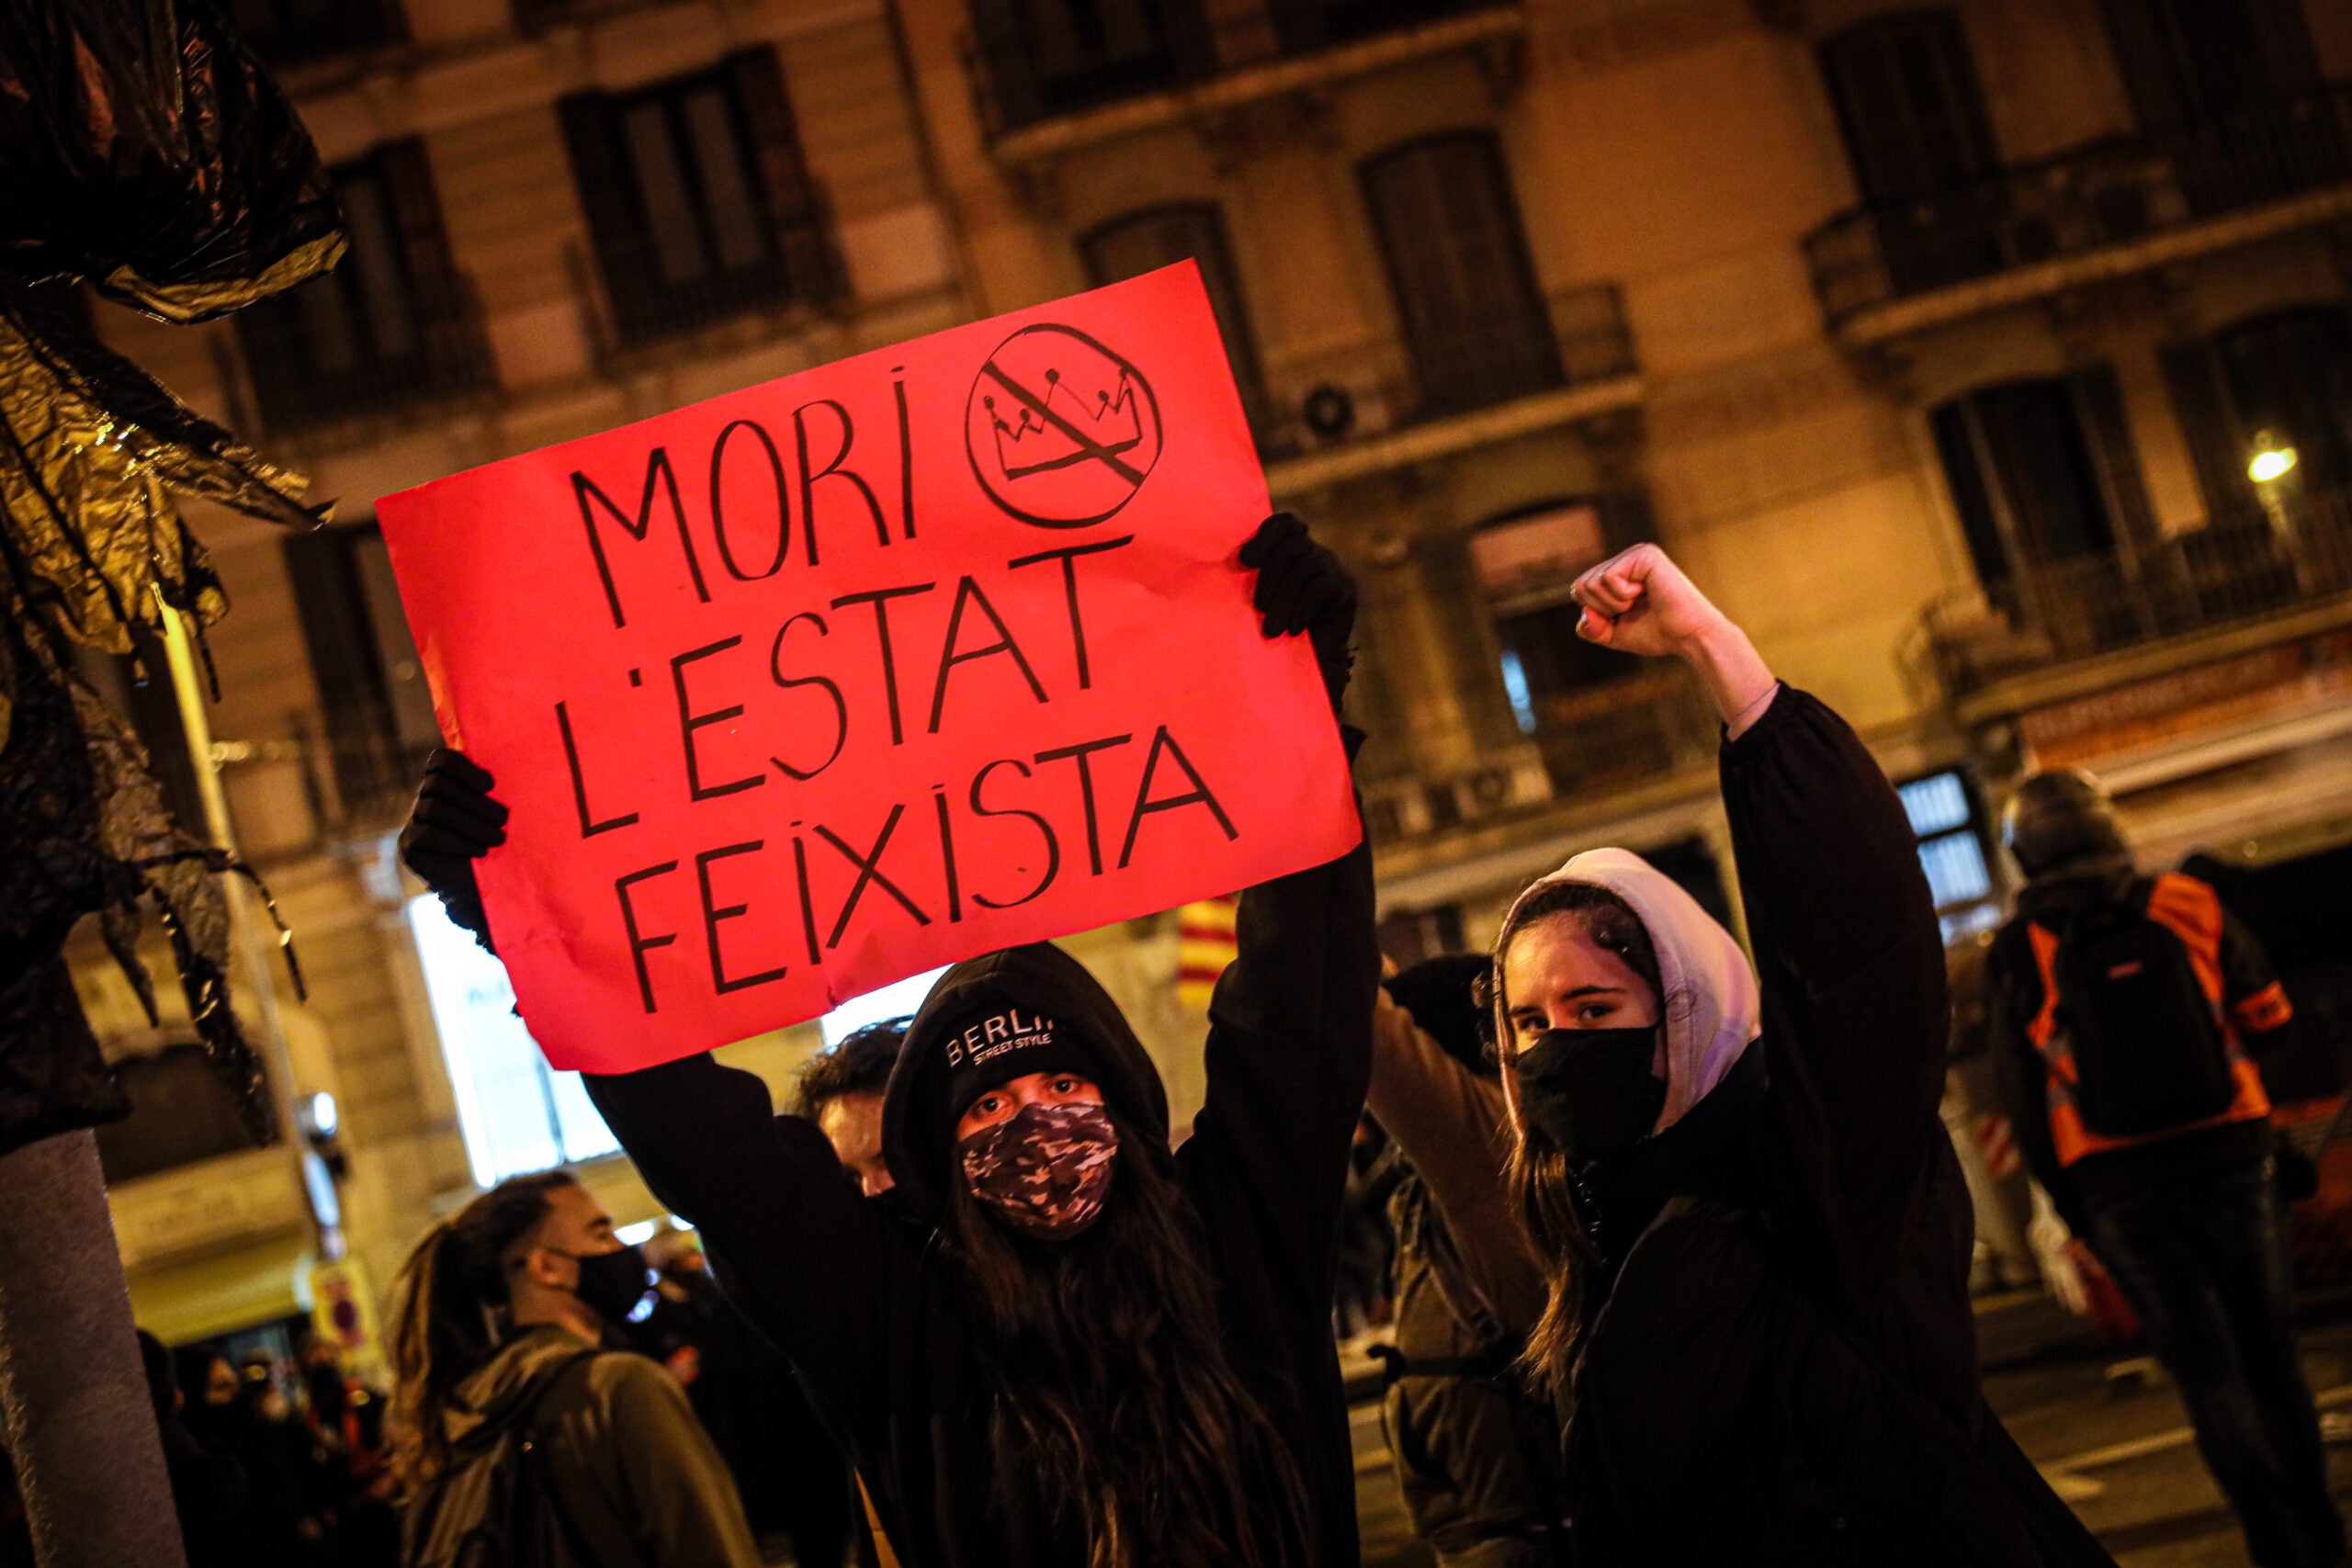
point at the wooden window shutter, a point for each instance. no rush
(339, 636)
(2115, 456)
(795, 206)
(2202, 403)
(616, 232)
(453, 344)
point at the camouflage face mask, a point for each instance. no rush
(1046, 1170)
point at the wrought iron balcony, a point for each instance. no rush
(296, 32)
(311, 368)
(1035, 62)
(2110, 193)
(1587, 743)
(1333, 410)
(2231, 570)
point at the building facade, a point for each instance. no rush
(1991, 362)
(563, 217)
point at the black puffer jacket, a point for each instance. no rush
(1784, 1370)
(872, 1313)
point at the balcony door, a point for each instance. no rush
(2230, 88)
(393, 324)
(2287, 374)
(1144, 241)
(2046, 481)
(1476, 327)
(1044, 58)
(1913, 117)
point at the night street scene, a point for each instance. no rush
(1175, 783)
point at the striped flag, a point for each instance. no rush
(1999, 1145)
(1204, 945)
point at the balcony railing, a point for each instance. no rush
(629, 307)
(2108, 193)
(1638, 728)
(2232, 570)
(1603, 738)
(1389, 384)
(1060, 58)
(296, 32)
(449, 357)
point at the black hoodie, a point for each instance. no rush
(872, 1311)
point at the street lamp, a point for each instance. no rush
(2267, 466)
(2271, 462)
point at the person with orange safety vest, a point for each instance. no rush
(2125, 1010)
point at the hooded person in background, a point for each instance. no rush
(1476, 1455)
(208, 1485)
(503, 1310)
(1058, 1344)
(1755, 1236)
(2123, 1014)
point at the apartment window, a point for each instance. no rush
(2043, 475)
(2231, 89)
(1948, 821)
(289, 33)
(699, 205)
(2287, 375)
(1041, 57)
(1143, 241)
(376, 709)
(393, 323)
(517, 1114)
(1525, 566)
(1476, 327)
(1905, 90)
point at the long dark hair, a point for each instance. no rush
(1541, 1183)
(452, 1314)
(1116, 1409)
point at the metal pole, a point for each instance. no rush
(251, 952)
(80, 1423)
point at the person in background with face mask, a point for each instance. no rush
(1058, 1345)
(503, 1310)
(1756, 1234)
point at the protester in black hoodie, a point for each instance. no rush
(1082, 1350)
(1757, 1234)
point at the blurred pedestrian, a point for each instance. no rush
(840, 1090)
(347, 1423)
(1476, 1451)
(1360, 1290)
(1061, 1343)
(1757, 1235)
(504, 1382)
(2125, 1010)
(209, 1486)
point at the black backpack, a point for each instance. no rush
(495, 1505)
(2149, 1051)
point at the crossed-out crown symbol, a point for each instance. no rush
(1114, 434)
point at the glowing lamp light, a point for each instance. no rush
(2271, 461)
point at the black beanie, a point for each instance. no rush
(999, 1043)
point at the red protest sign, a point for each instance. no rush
(831, 680)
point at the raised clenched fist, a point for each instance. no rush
(1638, 601)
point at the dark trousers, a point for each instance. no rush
(2205, 1265)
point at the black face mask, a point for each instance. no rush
(1591, 1090)
(612, 1282)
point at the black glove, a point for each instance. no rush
(455, 819)
(1302, 587)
